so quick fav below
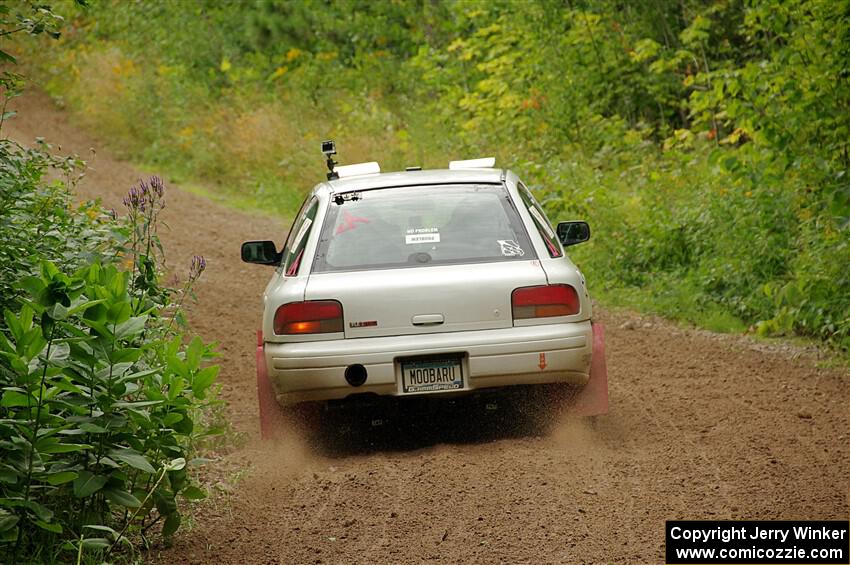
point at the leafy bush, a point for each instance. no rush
(102, 404)
(37, 220)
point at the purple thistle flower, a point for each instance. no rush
(157, 185)
(199, 264)
(146, 195)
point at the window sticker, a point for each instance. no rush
(305, 226)
(510, 248)
(422, 235)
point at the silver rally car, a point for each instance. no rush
(437, 282)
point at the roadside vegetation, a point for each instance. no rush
(706, 142)
(105, 396)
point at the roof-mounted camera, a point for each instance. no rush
(329, 150)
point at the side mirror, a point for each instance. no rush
(570, 233)
(261, 253)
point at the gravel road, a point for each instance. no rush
(701, 427)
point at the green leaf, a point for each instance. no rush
(172, 418)
(65, 448)
(172, 523)
(131, 327)
(138, 375)
(84, 306)
(117, 537)
(100, 327)
(96, 543)
(126, 355)
(18, 366)
(118, 313)
(101, 528)
(66, 385)
(133, 459)
(9, 535)
(8, 522)
(194, 352)
(176, 464)
(12, 398)
(5, 345)
(61, 478)
(114, 371)
(8, 476)
(88, 483)
(122, 498)
(139, 404)
(50, 527)
(41, 512)
(194, 493)
(164, 501)
(91, 428)
(178, 479)
(203, 379)
(184, 426)
(58, 311)
(33, 285)
(59, 352)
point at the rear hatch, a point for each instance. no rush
(426, 299)
(423, 259)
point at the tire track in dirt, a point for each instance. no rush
(700, 427)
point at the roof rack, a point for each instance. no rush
(345, 171)
(483, 163)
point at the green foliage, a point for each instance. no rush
(29, 18)
(706, 142)
(101, 403)
(89, 405)
(37, 220)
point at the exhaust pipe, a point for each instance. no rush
(355, 374)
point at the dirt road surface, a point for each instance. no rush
(701, 427)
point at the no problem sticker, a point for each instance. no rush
(422, 235)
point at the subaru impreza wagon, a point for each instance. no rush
(423, 282)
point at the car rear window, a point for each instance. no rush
(421, 226)
(293, 251)
(541, 222)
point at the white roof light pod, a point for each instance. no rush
(357, 169)
(485, 163)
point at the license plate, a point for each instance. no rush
(430, 375)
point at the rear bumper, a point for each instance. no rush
(315, 370)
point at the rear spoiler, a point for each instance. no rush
(483, 163)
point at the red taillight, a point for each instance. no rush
(544, 301)
(311, 317)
